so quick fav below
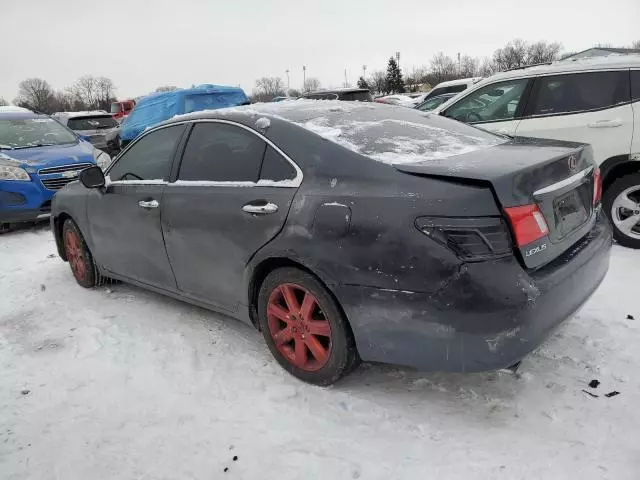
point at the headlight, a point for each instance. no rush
(14, 173)
(103, 160)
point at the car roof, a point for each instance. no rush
(339, 90)
(460, 81)
(569, 66)
(91, 113)
(12, 108)
(21, 115)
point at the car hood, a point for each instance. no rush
(81, 152)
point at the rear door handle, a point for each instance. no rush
(149, 204)
(606, 123)
(262, 209)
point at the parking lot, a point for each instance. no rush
(117, 382)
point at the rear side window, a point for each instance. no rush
(456, 88)
(218, 152)
(580, 92)
(635, 85)
(150, 157)
(275, 167)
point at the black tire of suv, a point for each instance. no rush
(610, 196)
(343, 355)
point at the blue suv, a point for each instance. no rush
(37, 157)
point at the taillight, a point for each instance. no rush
(471, 239)
(528, 223)
(597, 186)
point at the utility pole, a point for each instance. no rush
(364, 72)
(398, 59)
(288, 81)
(304, 78)
(346, 82)
(459, 66)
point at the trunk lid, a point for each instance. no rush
(558, 177)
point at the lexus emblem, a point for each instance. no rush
(573, 162)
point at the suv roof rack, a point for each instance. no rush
(528, 66)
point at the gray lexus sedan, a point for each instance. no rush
(349, 231)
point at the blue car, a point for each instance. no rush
(37, 157)
(162, 106)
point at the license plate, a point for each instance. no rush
(570, 212)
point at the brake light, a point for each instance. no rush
(597, 186)
(528, 223)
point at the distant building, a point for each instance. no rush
(602, 52)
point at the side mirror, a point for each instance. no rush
(92, 177)
(86, 138)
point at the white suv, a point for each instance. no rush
(595, 101)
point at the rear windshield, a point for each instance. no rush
(92, 123)
(397, 135)
(322, 96)
(116, 107)
(33, 132)
(356, 96)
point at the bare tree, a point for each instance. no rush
(468, 67)
(636, 44)
(541, 52)
(85, 92)
(3, 102)
(35, 94)
(378, 81)
(311, 84)
(105, 93)
(166, 88)
(443, 68)
(267, 88)
(487, 67)
(512, 55)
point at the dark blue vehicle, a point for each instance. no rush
(38, 156)
(162, 106)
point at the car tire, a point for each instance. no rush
(5, 228)
(624, 188)
(79, 256)
(305, 328)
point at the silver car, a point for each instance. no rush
(99, 127)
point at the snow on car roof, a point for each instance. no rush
(387, 133)
(12, 109)
(88, 113)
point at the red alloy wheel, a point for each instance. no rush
(75, 254)
(298, 326)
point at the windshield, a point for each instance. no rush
(92, 123)
(433, 103)
(33, 132)
(116, 107)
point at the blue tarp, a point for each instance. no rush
(159, 107)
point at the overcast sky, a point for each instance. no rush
(143, 44)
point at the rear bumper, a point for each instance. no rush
(24, 201)
(487, 316)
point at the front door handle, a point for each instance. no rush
(606, 123)
(261, 209)
(149, 204)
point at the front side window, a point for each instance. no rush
(149, 158)
(33, 132)
(580, 92)
(491, 103)
(432, 103)
(219, 152)
(92, 123)
(322, 96)
(356, 96)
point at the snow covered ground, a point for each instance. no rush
(119, 383)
